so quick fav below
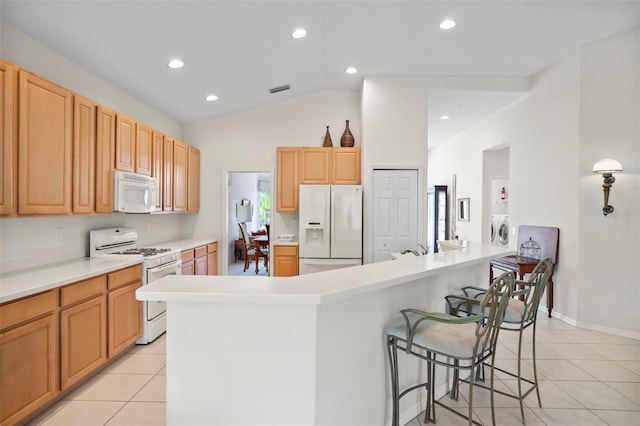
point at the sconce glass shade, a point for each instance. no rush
(607, 165)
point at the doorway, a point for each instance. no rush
(248, 200)
(395, 213)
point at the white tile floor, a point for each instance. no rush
(587, 378)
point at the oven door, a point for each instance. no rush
(155, 308)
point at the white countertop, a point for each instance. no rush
(284, 243)
(185, 243)
(315, 288)
(26, 282)
(452, 244)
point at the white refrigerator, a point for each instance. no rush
(330, 227)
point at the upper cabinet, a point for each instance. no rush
(345, 166)
(295, 166)
(180, 175)
(105, 152)
(315, 166)
(143, 145)
(44, 146)
(8, 132)
(125, 143)
(167, 174)
(193, 181)
(157, 147)
(84, 147)
(287, 179)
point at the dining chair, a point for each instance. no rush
(521, 313)
(248, 248)
(460, 343)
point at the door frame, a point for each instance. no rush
(223, 247)
(422, 238)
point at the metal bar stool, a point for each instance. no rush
(454, 342)
(519, 315)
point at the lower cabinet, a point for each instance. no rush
(212, 259)
(188, 262)
(285, 261)
(83, 329)
(202, 260)
(29, 348)
(53, 340)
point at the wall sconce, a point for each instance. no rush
(606, 168)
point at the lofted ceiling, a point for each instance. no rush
(238, 50)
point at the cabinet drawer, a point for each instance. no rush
(201, 251)
(14, 313)
(83, 290)
(124, 276)
(187, 255)
(285, 250)
(212, 247)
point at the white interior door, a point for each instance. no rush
(395, 212)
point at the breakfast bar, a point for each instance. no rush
(305, 350)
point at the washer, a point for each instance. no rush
(494, 229)
(502, 234)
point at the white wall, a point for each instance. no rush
(28, 242)
(577, 110)
(247, 141)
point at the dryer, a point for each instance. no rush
(502, 231)
(494, 229)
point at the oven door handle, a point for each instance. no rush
(172, 265)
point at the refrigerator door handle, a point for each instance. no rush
(331, 204)
(323, 262)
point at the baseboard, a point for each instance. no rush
(609, 330)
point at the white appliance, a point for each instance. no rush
(134, 193)
(330, 227)
(158, 262)
(500, 230)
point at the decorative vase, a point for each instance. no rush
(327, 139)
(347, 138)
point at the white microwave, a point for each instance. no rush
(134, 193)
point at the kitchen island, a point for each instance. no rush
(305, 350)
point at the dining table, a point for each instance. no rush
(260, 242)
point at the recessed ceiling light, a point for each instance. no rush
(299, 33)
(447, 24)
(444, 117)
(175, 63)
(211, 98)
(351, 70)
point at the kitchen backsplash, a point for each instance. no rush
(36, 241)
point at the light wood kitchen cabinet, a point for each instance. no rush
(84, 147)
(287, 180)
(188, 262)
(125, 144)
(167, 174)
(29, 364)
(143, 144)
(315, 166)
(285, 261)
(180, 175)
(345, 166)
(83, 329)
(105, 145)
(124, 312)
(212, 259)
(193, 181)
(9, 133)
(200, 267)
(157, 165)
(44, 146)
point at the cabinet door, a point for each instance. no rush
(105, 145)
(188, 267)
(143, 149)
(287, 180)
(157, 165)
(124, 318)
(201, 265)
(167, 174)
(8, 132)
(83, 340)
(44, 146)
(212, 259)
(84, 147)
(315, 166)
(125, 143)
(180, 163)
(345, 166)
(193, 181)
(285, 261)
(29, 369)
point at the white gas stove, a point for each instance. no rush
(157, 263)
